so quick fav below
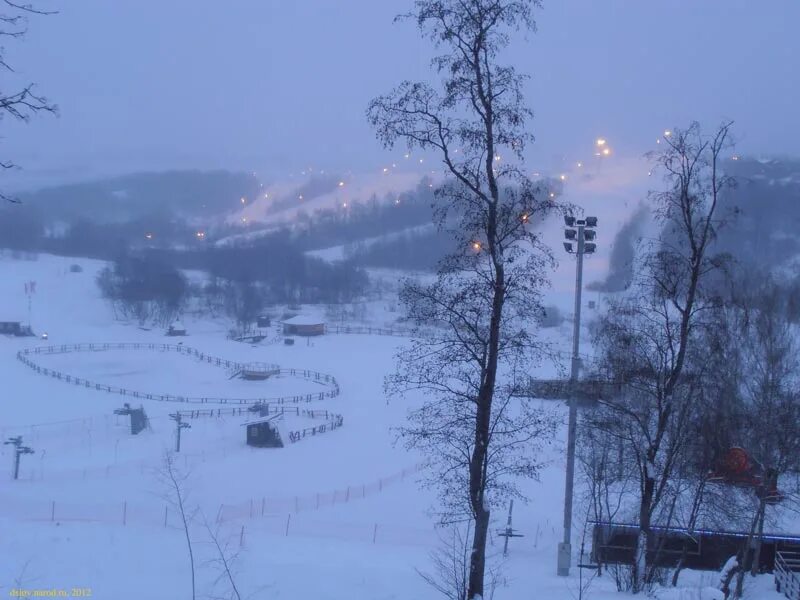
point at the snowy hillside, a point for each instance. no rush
(90, 494)
(338, 514)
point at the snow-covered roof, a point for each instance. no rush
(304, 320)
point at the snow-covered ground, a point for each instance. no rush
(336, 515)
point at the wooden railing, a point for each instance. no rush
(787, 573)
(25, 356)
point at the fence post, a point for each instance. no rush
(251, 508)
(241, 538)
(125, 512)
(317, 500)
(374, 533)
(288, 520)
(347, 495)
(52, 510)
(263, 502)
(166, 508)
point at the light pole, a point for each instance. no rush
(582, 233)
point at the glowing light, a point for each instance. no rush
(735, 157)
(525, 218)
(497, 157)
(580, 164)
(149, 236)
(552, 194)
(476, 246)
(385, 169)
(266, 196)
(601, 142)
(244, 219)
(606, 151)
(658, 141)
(300, 197)
(243, 200)
(667, 133)
(201, 235)
(344, 204)
(563, 177)
(406, 155)
(341, 184)
(421, 160)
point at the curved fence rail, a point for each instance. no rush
(362, 330)
(331, 420)
(322, 378)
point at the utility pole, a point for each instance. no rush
(580, 231)
(179, 424)
(19, 450)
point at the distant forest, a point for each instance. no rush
(156, 213)
(108, 219)
(760, 221)
(189, 194)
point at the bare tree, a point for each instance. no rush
(771, 399)
(649, 338)
(489, 289)
(602, 458)
(224, 562)
(450, 576)
(174, 481)
(23, 103)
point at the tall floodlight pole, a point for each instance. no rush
(582, 233)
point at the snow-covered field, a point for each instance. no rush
(334, 516)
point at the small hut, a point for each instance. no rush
(303, 325)
(138, 417)
(15, 328)
(262, 433)
(11, 327)
(176, 329)
(263, 321)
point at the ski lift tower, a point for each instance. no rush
(19, 450)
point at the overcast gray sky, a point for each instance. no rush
(277, 85)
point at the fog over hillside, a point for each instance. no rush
(400, 300)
